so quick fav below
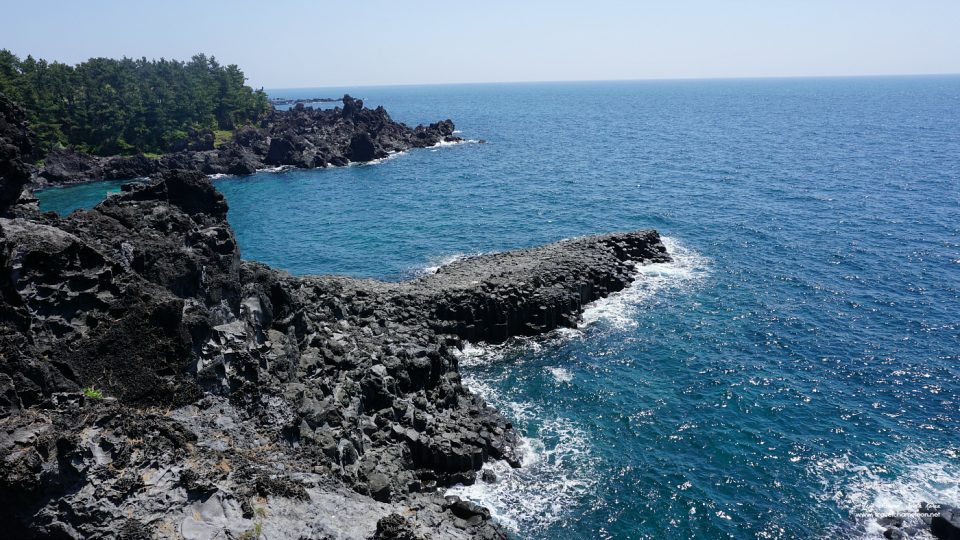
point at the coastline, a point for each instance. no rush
(870, 490)
(300, 137)
(193, 391)
(39, 188)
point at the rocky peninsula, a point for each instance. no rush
(154, 384)
(301, 137)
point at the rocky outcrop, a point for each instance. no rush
(300, 137)
(943, 520)
(936, 520)
(154, 382)
(16, 148)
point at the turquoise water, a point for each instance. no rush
(795, 367)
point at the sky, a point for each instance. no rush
(302, 43)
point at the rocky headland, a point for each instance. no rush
(301, 137)
(154, 384)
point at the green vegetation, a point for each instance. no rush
(221, 136)
(253, 533)
(106, 106)
(92, 392)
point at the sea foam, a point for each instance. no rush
(896, 487)
(436, 263)
(557, 468)
(619, 309)
(558, 464)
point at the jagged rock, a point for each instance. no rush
(945, 525)
(65, 166)
(395, 527)
(488, 476)
(362, 148)
(127, 167)
(230, 385)
(285, 150)
(300, 137)
(351, 106)
(893, 533)
(16, 148)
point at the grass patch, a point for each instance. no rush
(152, 155)
(92, 392)
(221, 136)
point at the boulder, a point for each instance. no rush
(283, 151)
(395, 527)
(129, 167)
(945, 524)
(66, 166)
(351, 106)
(362, 148)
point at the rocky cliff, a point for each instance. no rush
(153, 384)
(236, 397)
(300, 137)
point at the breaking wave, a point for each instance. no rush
(619, 309)
(896, 487)
(558, 468)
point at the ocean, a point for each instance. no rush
(793, 373)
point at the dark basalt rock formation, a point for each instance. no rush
(16, 148)
(944, 522)
(233, 385)
(153, 384)
(300, 137)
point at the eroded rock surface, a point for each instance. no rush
(16, 148)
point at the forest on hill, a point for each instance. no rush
(106, 106)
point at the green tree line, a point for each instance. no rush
(107, 106)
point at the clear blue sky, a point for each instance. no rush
(301, 43)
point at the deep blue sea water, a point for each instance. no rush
(795, 367)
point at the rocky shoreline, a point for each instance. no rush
(156, 385)
(301, 137)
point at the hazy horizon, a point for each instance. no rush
(673, 79)
(300, 44)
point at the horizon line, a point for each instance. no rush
(650, 79)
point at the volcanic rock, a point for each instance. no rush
(237, 397)
(301, 137)
(16, 148)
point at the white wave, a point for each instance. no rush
(557, 469)
(619, 309)
(442, 144)
(377, 161)
(896, 488)
(434, 264)
(560, 374)
(471, 354)
(218, 176)
(476, 354)
(277, 169)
